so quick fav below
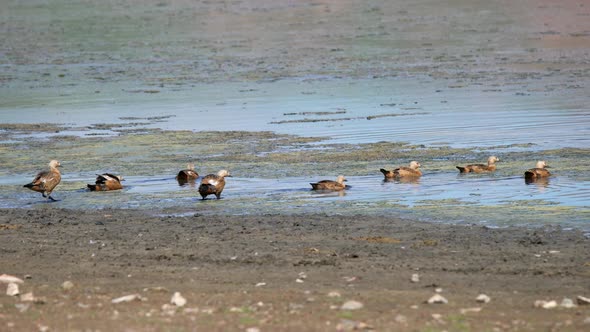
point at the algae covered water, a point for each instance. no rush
(284, 94)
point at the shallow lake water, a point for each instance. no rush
(472, 78)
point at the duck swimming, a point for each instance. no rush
(540, 171)
(46, 181)
(213, 184)
(329, 184)
(480, 168)
(106, 182)
(411, 171)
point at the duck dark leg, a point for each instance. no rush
(51, 198)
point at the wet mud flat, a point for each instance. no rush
(276, 272)
(271, 174)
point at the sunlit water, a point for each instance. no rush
(419, 112)
(426, 113)
(440, 197)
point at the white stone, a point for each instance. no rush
(545, 304)
(67, 285)
(178, 300)
(351, 305)
(437, 317)
(482, 298)
(464, 311)
(28, 297)
(567, 303)
(415, 278)
(260, 284)
(334, 294)
(437, 299)
(252, 329)
(12, 289)
(299, 281)
(583, 300)
(8, 279)
(127, 298)
(168, 309)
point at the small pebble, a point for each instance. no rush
(67, 285)
(178, 300)
(8, 279)
(28, 297)
(437, 317)
(128, 298)
(260, 284)
(415, 278)
(583, 300)
(169, 309)
(567, 303)
(545, 304)
(482, 298)
(351, 305)
(437, 299)
(334, 294)
(12, 289)
(468, 310)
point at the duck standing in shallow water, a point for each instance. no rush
(540, 171)
(46, 181)
(106, 182)
(480, 168)
(213, 184)
(330, 185)
(403, 172)
(186, 175)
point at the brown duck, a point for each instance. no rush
(480, 168)
(540, 171)
(187, 174)
(106, 182)
(213, 184)
(405, 172)
(46, 181)
(329, 184)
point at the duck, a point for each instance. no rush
(47, 180)
(106, 182)
(480, 168)
(330, 184)
(213, 184)
(187, 174)
(404, 172)
(540, 171)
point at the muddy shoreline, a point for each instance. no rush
(277, 272)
